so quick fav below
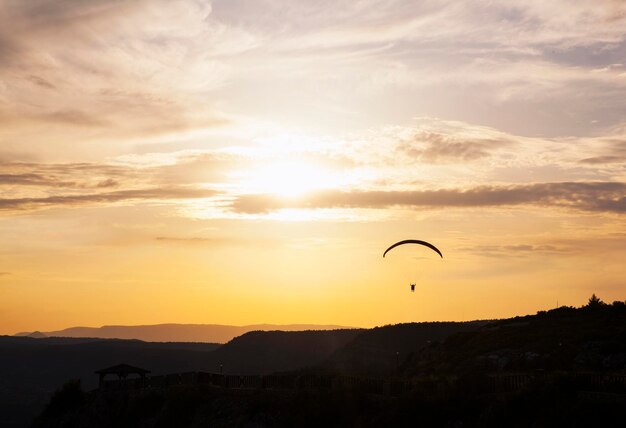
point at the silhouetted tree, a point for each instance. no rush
(594, 301)
(65, 401)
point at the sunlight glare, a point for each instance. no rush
(287, 179)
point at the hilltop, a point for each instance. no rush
(264, 352)
(379, 351)
(590, 338)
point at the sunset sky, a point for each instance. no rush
(239, 162)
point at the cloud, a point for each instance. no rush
(379, 169)
(518, 65)
(117, 70)
(180, 239)
(214, 241)
(197, 240)
(41, 82)
(599, 160)
(612, 151)
(459, 154)
(93, 70)
(343, 22)
(109, 182)
(153, 194)
(595, 197)
(71, 117)
(437, 147)
(516, 249)
(20, 175)
(583, 242)
(30, 179)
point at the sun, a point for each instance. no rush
(286, 179)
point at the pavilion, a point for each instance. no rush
(122, 371)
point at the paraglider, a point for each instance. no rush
(414, 241)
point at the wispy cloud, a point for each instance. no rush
(211, 241)
(111, 70)
(513, 250)
(609, 152)
(432, 163)
(97, 70)
(497, 63)
(600, 160)
(153, 194)
(192, 240)
(441, 146)
(32, 180)
(599, 197)
(18, 178)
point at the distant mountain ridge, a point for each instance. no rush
(34, 334)
(210, 333)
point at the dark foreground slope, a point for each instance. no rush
(195, 406)
(30, 369)
(263, 352)
(591, 338)
(379, 351)
(567, 367)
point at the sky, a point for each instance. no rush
(248, 161)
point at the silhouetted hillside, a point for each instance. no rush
(378, 351)
(590, 338)
(30, 369)
(448, 375)
(211, 333)
(262, 352)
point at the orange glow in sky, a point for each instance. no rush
(236, 162)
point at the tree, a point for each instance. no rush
(594, 301)
(65, 401)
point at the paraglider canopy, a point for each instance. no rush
(414, 241)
